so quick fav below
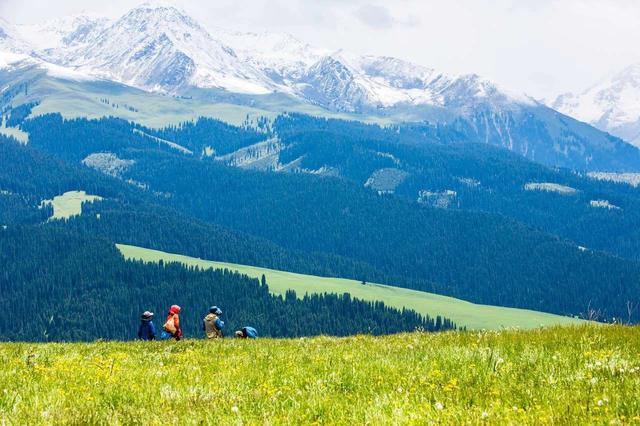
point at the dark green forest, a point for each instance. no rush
(60, 285)
(494, 244)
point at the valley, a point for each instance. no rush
(319, 213)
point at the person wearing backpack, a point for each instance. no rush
(212, 324)
(247, 333)
(147, 331)
(171, 326)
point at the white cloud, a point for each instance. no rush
(542, 47)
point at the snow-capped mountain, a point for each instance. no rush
(612, 105)
(158, 48)
(11, 40)
(63, 32)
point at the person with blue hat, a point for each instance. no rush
(212, 324)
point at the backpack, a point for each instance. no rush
(164, 335)
(170, 325)
(213, 326)
(251, 332)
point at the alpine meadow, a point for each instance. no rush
(259, 213)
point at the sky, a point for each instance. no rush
(540, 47)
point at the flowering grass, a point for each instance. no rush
(572, 375)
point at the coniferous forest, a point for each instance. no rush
(315, 208)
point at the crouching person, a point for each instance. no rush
(247, 333)
(147, 331)
(212, 324)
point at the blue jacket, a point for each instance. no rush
(147, 330)
(250, 332)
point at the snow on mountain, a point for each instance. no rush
(67, 31)
(346, 82)
(18, 62)
(13, 60)
(159, 48)
(279, 55)
(612, 105)
(10, 39)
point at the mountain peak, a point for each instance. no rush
(158, 12)
(612, 105)
(159, 47)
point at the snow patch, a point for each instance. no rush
(64, 73)
(10, 59)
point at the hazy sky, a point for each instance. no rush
(541, 47)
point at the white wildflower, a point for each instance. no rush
(235, 409)
(600, 403)
(485, 414)
(439, 406)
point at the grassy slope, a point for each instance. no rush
(83, 99)
(570, 375)
(13, 132)
(463, 313)
(69, 204)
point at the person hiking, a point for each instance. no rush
(247, 333)
(171, 326)
(212, 324)
(147, 331)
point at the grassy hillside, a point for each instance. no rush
(572, 375)
(70, 203)
(96, 99)
(13, 132)
(464, 314)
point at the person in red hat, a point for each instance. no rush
(172, 324)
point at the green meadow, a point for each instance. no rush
(560, 375)
(69, 204)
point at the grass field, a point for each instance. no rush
(566, 375)
(14, 132)
(463, 313)
(75, 99)
(69, 204)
